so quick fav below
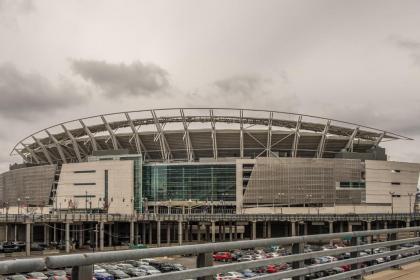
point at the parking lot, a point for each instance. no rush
(143, 267)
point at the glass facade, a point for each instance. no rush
(203, 182)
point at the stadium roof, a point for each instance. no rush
(187, 134)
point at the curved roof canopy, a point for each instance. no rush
(187, 134)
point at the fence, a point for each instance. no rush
(82, 264)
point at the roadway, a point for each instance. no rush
(408, 272)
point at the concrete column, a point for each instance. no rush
(341, 226)
(168, 234)
(254, 230)
(224, 231)
(207, 232)
(143, 233)
(220, 231)
(81, 239)
(6, 232)
(230, 232)
(385, 225)
(264, 229)
(67, 237)
(158, 233)
(349, 227)
(203, 260)
(136, 233)
(150, 233)
(236, 231)
(330, 226)
(132, 232)
(15, 228)
(82, 272)
(55, 232)
(293, 226)
(198, 232)
(369, 227)
(213, 231)
(101, 236)
(96, 237)
(305, 228)
(46, 234)
(186, 233)
(179, 232)
(28, 240)
(268, 229)
(110, 235)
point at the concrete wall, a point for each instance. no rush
(383, 177)
(73, 186)
(29, 185)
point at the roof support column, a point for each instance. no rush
(297, 137)
(213, 134)
(321, 146)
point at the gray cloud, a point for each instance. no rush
(135, 79)
(246, 85)
(253, 91)
(10, 10)
(410, 45)
(28, 95)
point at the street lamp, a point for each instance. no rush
(18, 203)
(392, 202)
(279, 196)
(308, 196)
(27, 204)
(258, 201)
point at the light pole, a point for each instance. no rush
(392, 202)
(410, 195)
(280, 200)
(27, 204)
(308, 196)
(18, 203)
(258, 201)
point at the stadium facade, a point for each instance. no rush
(208, 160)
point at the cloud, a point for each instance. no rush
(411, 45)
(135, 79)
(11, 10)
(28, 95)
(249, 90)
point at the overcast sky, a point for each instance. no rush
(357, 61)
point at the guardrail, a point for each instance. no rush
(82, 264)
(205, 217)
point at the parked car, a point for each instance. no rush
(103, 276)
(248, 273)
(16, 277)
(222, 257)
(245, 258)
(118, 274)
(37, 275)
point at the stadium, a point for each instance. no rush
(208, 160)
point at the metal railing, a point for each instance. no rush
(205, 217)
(82, 263)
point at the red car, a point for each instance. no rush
(271, 268)
(222, 257)
(346, 267)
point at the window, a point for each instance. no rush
(396, 195)
(85, 171)
(396, 171)
(395, 183)
(84, 184)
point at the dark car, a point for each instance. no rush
(10, 247)
(104, 276)
(118, 274)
